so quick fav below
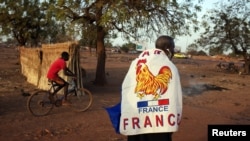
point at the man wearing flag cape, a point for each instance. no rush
(151, 97)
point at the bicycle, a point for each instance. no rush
(42, 102)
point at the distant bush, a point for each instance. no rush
(200, 53)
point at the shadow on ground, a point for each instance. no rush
(200, 88)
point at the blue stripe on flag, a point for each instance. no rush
(152, 103)
(142, 104)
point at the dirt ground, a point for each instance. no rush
(210, 97)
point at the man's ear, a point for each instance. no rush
(169, 53)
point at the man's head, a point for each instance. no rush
(65, 56)
(166, 43)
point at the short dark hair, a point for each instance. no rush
(164, 42)
(65, 55)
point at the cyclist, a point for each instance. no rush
(58, 65)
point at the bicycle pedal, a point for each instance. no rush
(51, 98)
(58, 103)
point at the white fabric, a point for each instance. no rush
(141, 110)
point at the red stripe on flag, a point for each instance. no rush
(163, 102)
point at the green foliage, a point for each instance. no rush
(199, 53)
(215, 51)
(130, 46)
(30, 22)
(34, 20)
(134, 19)
(227, 28)
(88, 35)
(192, 48)
(125, 49)
(18, 19)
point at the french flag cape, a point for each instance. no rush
(151, 96)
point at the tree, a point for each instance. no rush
(192, 48)
(88, 37)
(128, 46)
(228, 29)
(29, 22)
(135, 19)
(21, 19)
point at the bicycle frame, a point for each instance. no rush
(54, 88)
(40, 102)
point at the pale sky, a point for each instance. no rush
(183, 41)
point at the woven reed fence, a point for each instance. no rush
(30, 64)
(35, 62)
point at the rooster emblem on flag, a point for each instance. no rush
(149, 84)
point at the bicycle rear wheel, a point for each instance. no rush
(81, 99)
(39, 104)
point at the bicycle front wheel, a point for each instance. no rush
(39, 103)
(81, 99)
